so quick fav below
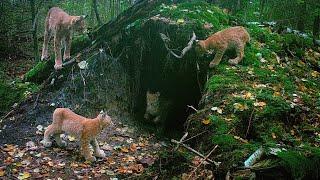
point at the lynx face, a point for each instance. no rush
(152, 110)
(200, 50)
(105, 120)
(78, 24)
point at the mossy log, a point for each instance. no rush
(43, 69)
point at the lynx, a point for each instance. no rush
(61, 25)
(64, 120)
(234, 37)
(152, 111)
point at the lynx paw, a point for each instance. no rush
(44, 57)
(233, 61)
(46, 143)
(58, 66)
(100, 154)
(66, 57)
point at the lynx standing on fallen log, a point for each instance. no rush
(61, 25)
(64, 120)
(234, 37)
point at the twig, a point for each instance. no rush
(36, 101)
(196, 152)
(249, 125)
(194, 136)
(183, 137)
(8, 114)
(166, 39)
(204, 160)
(192, 108)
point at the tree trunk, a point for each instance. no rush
(302, 17)
(95, 8)
(262, 6)
(316, 28)
(34, 30)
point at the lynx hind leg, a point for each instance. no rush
(59, 141)
(217, 58)
(85, 150)
(46, 139)
(240, 55)
(97, 151)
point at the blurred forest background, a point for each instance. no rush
(22, 21)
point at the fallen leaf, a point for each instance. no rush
(259, 104)
(240, 107)
(124, 149)
(71, 138)
(24, 175)
(206, 121)
(133, 147)
(2, 173)
(240, 139)
(180, 21)
(147, 161)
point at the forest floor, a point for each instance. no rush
(128, 152)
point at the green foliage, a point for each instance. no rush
(39, 72)
(15, 92)
(304, 163)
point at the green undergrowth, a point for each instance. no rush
(270, 99)
(14, 92)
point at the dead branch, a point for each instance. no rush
(249, 125)
(166, 40)
(196, 110)
(181, 140)
(204, 160)
(196, 152)
(194, 136)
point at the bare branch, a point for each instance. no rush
(166, 39)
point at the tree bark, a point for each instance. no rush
(34, 30)
(95, 8)
(302, 17)
(316, 28)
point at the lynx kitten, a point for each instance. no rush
(64, 120)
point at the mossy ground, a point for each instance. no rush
(268, 102)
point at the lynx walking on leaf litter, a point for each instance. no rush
(64, 120)
(233, 37)
(61, 25)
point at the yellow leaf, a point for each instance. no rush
(260, 104)
(276, 94)
(71, 138)
(206, 121)
(315, 74)
(180, 21)
(247, 95)
(24, 175)
(273, 135)
(240, 107)
(124, 149)
(2, 173)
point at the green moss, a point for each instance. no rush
(14, 93)
(302, 164)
